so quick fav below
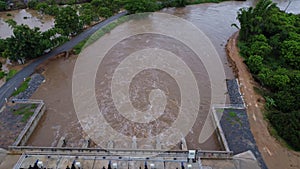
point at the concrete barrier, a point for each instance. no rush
(219, 130)
(32, 122)
(203, 154)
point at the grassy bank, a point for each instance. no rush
(106, 29)
(26, 111)
(22, 88)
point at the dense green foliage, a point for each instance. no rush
(22, 88)
(68, 21)
(2, 74)
(24, 43)
(47, 8)
(26, 111)
(27, 43)
(2, 5)
(174, 3)
(10, 74)
(32, 3)
(270, 43)
(77, 49)
(87, 14)
(137, 6)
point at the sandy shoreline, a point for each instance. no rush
(274, 154)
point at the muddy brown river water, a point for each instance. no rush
(61, 120)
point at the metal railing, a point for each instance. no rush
(228, 106)
(20, 161)
(27, 101)
(113, 152)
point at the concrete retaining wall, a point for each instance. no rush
(219, 130)
(121, 152)
(32, 122)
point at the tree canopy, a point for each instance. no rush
(270, 43)
(138, 6)
(68, 21)
(25, 43)
(28, 43)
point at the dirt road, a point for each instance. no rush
(275, 155)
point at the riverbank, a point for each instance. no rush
(236, 127)
(275, 155)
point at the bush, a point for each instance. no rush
(22, 88)
(11, 74)
(139, 6)
(41, 6)
(285, 101)
(2, 74)
(77, 49)
(25, 43)
(32, 4)
(2, 45)
(2, 5)
(255, 63)
(68, 21)
(287, 126)
(52, 10)
(105, 12)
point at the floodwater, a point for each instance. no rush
(24, 16)
(61, 120)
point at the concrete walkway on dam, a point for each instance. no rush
(244, 160)
(241, 161)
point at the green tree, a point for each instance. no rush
(112, 5)
(32, 4)
(71, 2)
(285, 101)
(264, 76)
(2, 45)
(52, 10)
(138, 6)
(96, 3)
(50, 39)
(68, 21)
(174, 3)
(252, 19)
(260, 48)
(41, 6)
(290, 51)
(87, 14)
(181, 3)
(279, 79)
(25, 43)
(287, 126)
(2, 5)
(272, 36)
(104, 12)
(255, 63)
